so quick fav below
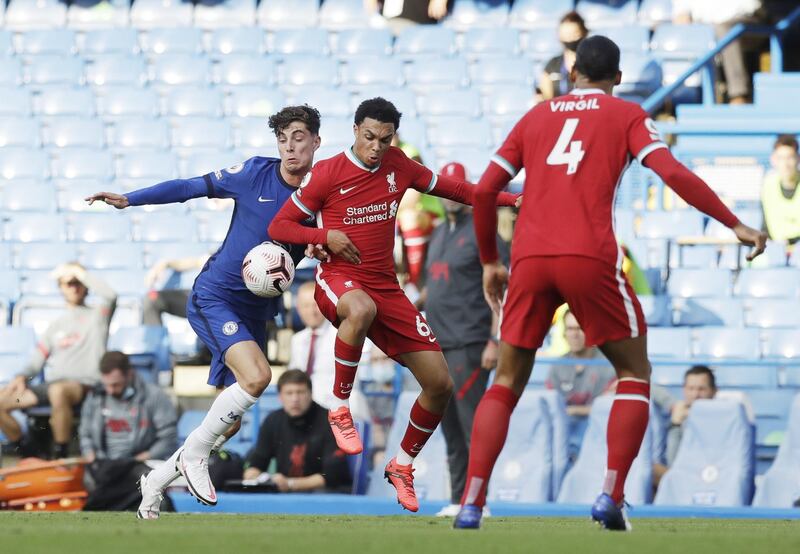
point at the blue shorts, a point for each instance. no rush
(218, 326)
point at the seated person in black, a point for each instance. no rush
(299, 438)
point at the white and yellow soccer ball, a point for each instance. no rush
(268, 270)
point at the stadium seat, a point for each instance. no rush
(288, 14)
(708, 311)
(10, 72)
(51, 41)
(656, 310)
(253, 101)
(535, 14)
(126, 283)
(425, 40)
(155, 165)
(123, 102)
(82, 163)
(206, 162)
(23, 163)
(211, 14)
(43, 255)
(474, 160)
(106, 227)
(508, 104)
(16, 347)
(631, 39)
(243, 69)
(26, 15)
(116, 69)
(84, 15)
(693, 283)
(165, 227)
(235, 40)
(494, 43)
(540, 45)
(331, 102)
(53, 70)
(431, 474)
(560, 435)
(5, 261)
(768, 283)
(714, 464)
(791, 377)
(673, 224)
(694, 257)
(147, 346)
(174, 40)
(767, 313)
(726, 342)
(337, 131)
(780, 487)
(747, 377)
(366, 71)
(252, 132)
(313, 42)
(130, 133)
(214, 227)
(156, 251)
(65, 101)
(468, 14)
(584, 481)
(16, 100)
(655, 12)
(102, 42)
(608, 12)
(458, 103)
(343, 14)
(524, 469)
(150, 14)
(495, 74)
(682, 42)
(668, 375)
(19, 131)
(74, 131)
(179, 69)
(40, 288)
(189, 133)
(455, 132)
(641, 76)
(112, 255)
(6, 42)
(71, 195)
(304, 70)
(188, 422)
(669, 343)
(34, 227)
(362, 42)
(782, 343)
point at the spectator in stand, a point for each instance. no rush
(464, 324)
(779, 199)
(723, 16)
(579, 384)
(555, 80)
(298, 438)
(312, 352)
(72, 347)
(698, 383)
(404, 13)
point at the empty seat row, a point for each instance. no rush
(722, 342)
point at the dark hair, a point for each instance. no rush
(294, 376)
(786, 140)
(113, 360)
(304, 114)
(597, 58)
(701, 370)
(575, 17)
(378, 109)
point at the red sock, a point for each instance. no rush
(421, 425)
(415, 241)
(489, 431)
(627, 424)
(346, 361)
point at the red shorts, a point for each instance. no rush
(398, 327)
(598, 294)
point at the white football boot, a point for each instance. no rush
(196, 474)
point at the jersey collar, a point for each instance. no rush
(583, 91)
(353, 158)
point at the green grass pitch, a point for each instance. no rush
(113, 533)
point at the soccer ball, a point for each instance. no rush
(267, 270)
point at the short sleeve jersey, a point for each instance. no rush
(346, 195)
(574, 149)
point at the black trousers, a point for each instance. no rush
(166, 301)
(470, 383)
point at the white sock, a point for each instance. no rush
(404, 458)
(227, 408)
(335, 402)
(163, 475)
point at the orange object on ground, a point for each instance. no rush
(33, 478)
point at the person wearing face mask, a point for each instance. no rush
(555, 79)
(465, 325)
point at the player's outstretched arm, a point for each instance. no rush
(168, 192)
(697, 193)
(287, 226)
(464, 192)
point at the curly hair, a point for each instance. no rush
(304, 114)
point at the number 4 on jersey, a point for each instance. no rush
(567, 151)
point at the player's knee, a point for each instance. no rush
(256, 382)
(362, 313)
(441, 388)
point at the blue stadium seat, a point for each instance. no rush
(49, 41)
(23, 163)
(558, 417)
(495, 74)
(235, 40)
(673, 224)
(156, 251)
(34, 227)
(330, 101)
(155, 165)
(201, 162)
(82, 163)
(768, 313)
(179, 69)
(682, 42)
(116, 69)
(337, 131)
(656, 309)
(362, 42)
(708, 311)
(726, 342)
(5, 258)
(44, 255)
(694, 257)
(403, 99)
(106, 227)
(303, 70)
(132, 133)
(780, 487)
(74, 131)
(211, 14)
(189, 133)
(747, 377)
(126, 282)
(693, 283)
(313, 42)
(655, 12)
(6, 43)
(101, 42)
(121, 102)
(54, 70)
(631, 39)
(112, 255)
(584, 480)
(641, 75)
(252, 101)
(10, 72)
(714, 465)
(535, 14)
(608, 12)
(431, 475)
(175, 40)
(458, 103)
(467, 14)
(19, 131)
(16, 100)
(241, 69)
(425, 40)
(791, 377)
(524, 469)
(16, 340)
(71, 195)
(508, 103)
(165, 227)
(214, 227)
(668, 375)
(474, 160)
(65, 101)
(768, 283)
(461, 132)
(343, 14)
(40, 287)
(146, 346)
(782, 343)
(414, 131)
(288, 14)
(494, 43)
(366, 71)
(188, 422)
(151, 14)
(669, 343)
(252, 132)
(540, 45)
(27, 15)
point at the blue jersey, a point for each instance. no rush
(258, 191)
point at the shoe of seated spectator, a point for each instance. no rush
(150, 507)
(195, 471)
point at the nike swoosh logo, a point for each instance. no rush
(266, 199)
(345, 191)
